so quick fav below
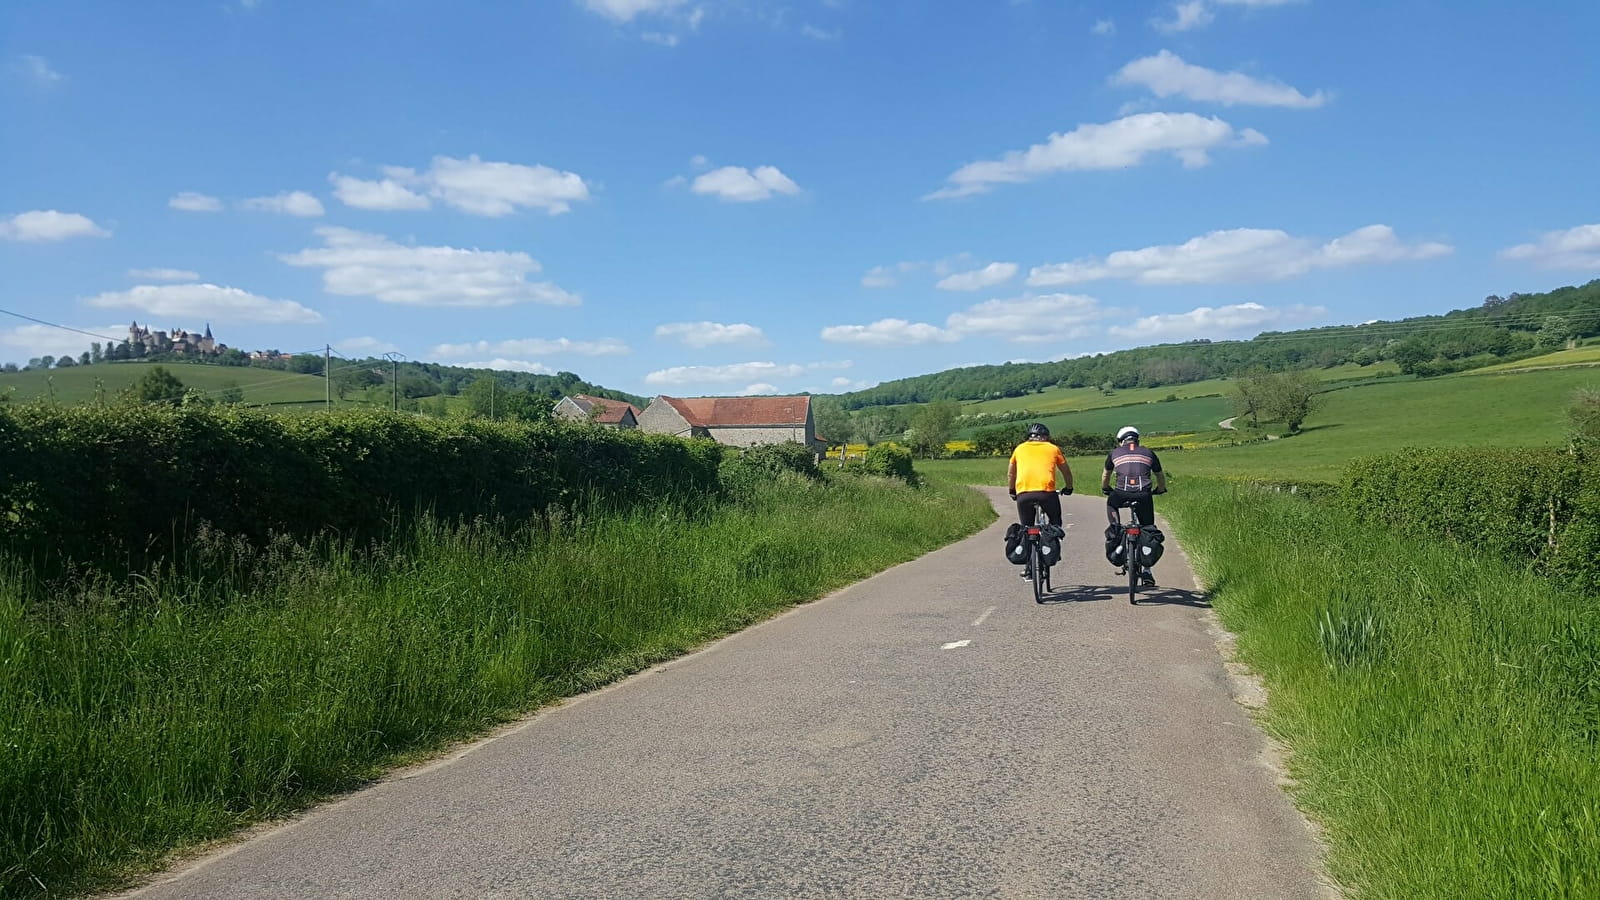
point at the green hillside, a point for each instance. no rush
(1523, 409)
(81, 384)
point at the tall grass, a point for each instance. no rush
(144, 715)
(1442, 706)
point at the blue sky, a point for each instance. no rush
(740, 196)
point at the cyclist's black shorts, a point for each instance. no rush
(1144, 505)
(1050, 500)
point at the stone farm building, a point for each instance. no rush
(599, 410)
(735, 421)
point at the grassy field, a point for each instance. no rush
(1200, 413)
(1525, 409)
(79, 384)
(1442, 708)
(1056, 400)
(1581, 356)
(142, 716)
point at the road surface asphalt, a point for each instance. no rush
(928, 732)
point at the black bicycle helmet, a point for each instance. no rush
(1038, 429)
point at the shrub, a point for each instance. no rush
(742, 474)
(892, 461)
(1538, 506)
(120, 484)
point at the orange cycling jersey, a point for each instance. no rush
(1036, 463)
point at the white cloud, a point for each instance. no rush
(534, 347)
(706, 334)
(205, 301)
(26, 341)
(978, 279)
(509, 365)
(626, 10)
(476, 186)
(1118, 144)
(1026, 319)
(1238, 320)
(736, 184)
(289, 203)
(888, 332)
(819, 34)
(1239, 255)
(193, 201)
(365, 346)
(732, 374)
(386, 194)
(699, 161)
(757, 389)
(1103, 27)
(847, 384)
(1574, 248)
(1258, 4)
(38, 70)
(1167, 75)
(357, 264)
(49, 225)
(163, 275)
(1031, 319)
(659, 37)
(878, 277)
(1186, 15)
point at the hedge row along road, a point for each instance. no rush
(928, 732)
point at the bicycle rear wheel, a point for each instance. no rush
(1039, 574)
(1133, 571)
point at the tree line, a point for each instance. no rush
(1500, 328)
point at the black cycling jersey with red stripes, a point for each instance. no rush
(1134, 465)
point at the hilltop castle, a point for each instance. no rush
(179, 341)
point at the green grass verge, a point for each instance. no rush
(143, 716)
(1442, 707)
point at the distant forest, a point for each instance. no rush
(1501, 328)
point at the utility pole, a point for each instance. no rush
(394, 357)
(327, 373)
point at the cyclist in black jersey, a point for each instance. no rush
(1132, 477)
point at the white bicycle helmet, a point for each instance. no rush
(1126, 432)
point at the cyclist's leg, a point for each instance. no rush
(1145, 506)
(1026, 503)
(1052, 507)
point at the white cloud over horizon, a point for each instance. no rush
(44, 225)
(205, 301)
(737, 184)
(1119, 144)
(1186, 16)
(533, 347)
(194, 201)
(1571, 248)
(1240, 255)
(729, 374)
(1031, 318)
(288, 203)
(163, 275)
(509, 365)
(367, 345)
(1235, 321)
(707, 334)
(29, 341)
(978, 279)
(358, 264)
(38, 70)
(1166, 75)
(386, 194)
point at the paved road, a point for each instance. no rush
(1084, 748)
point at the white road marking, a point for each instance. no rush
(955, 644)
(985, 615)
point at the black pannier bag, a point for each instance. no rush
(1150, 546)
(1017, 544)
(1114, 545)
(1050, 543)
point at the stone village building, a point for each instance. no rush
(600, 410)
(735, 421)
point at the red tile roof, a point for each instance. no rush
(741, 412)
(612, 411)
